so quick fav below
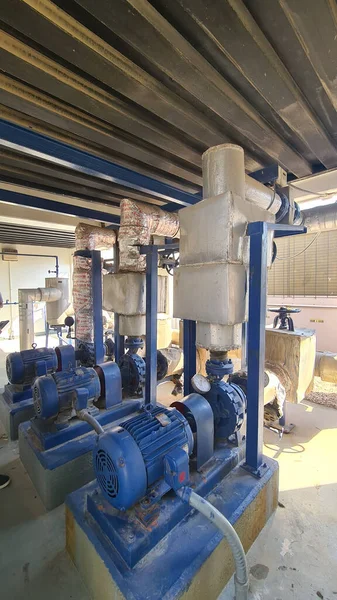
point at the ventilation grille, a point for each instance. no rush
(35, 236)
(106, 474)
(306, 266)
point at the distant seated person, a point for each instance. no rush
(2, 323)
(4, 479)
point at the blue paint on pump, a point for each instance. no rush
(181, 542)
(22, 366)
(54, 448)
(131, 458)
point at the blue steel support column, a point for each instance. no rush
(190, 359)
(258, 233)
(151, 323)
(97, 305)
(256, 342)
(119, 339)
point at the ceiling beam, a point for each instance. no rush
(52, 151)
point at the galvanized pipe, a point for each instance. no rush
(320, 218)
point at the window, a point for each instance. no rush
(306, 265)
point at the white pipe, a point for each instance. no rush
(39, 294)
(26, 298)
(220, 521)
(326, 366)
(320, 218)
(262, 196)
(223, 171)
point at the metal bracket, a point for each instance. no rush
(271, 174)
(259, 472)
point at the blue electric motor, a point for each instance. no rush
(23, 367)
(130, 458)
(56, 394)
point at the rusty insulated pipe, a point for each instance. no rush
(139, 221)
(87, 237)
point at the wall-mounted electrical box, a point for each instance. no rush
(9, 254)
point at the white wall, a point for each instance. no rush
(30, 272)
(318, 313)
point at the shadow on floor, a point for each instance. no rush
(294, 442)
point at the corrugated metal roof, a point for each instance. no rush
(151, 85)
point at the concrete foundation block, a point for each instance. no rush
(12, 414)
(192, 562)
(53, 485)
(60, 461)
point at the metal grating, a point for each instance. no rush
(151, 84)
(35, 236)
(306, 266)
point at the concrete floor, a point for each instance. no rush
(295, 557)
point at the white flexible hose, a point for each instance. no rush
(85, 416)
(215, 516)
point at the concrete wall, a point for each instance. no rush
(318, 313)
(29, 272)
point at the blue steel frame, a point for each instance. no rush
(30, 143)
(151, 324)
(190, 357)
(267, 174)
(152, 253)
(57, 207)
(119, 339)
(258, 233)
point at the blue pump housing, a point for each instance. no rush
(54, 394)
(228, 403)
(130, 458)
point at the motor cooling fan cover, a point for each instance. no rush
(119, 468)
